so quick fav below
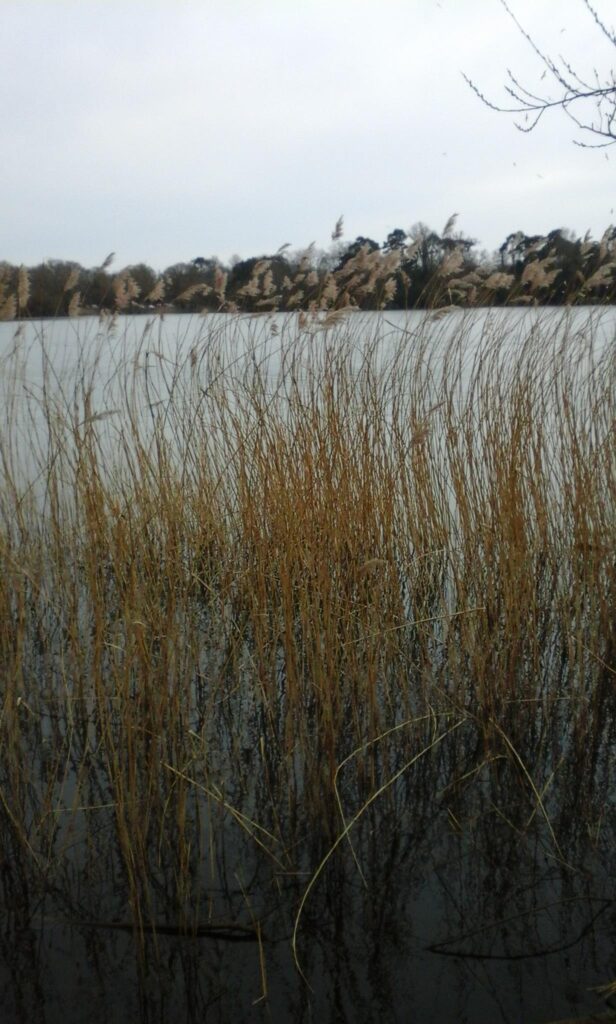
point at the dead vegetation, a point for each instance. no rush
(254, 577)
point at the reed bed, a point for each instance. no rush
(254, 580)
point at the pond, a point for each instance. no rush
(307, 663)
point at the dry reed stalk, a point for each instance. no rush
(74, 306)
(23, 289)
(72, 279)
(264, 560)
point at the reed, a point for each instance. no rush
(233, 566)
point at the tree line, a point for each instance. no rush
(416, 269)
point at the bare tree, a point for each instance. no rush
(590, 102)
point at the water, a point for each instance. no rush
(460, 918)
(461, 893)
(93, 355)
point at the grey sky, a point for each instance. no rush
(170, 130)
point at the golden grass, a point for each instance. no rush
(228, 570)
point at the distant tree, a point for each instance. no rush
(426, 248)
(97, 288)
(516, 250)
(190, 287)
(241, 273)
(589, 102)
(353, 248)
(396, 239)
(279, 267)
(144, 277)
(599, 268)
(52, 285)
(559, 252)
(433, 261)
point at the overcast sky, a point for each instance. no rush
(170, 130)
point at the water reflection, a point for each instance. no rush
(455, 902)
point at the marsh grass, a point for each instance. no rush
(248, 583)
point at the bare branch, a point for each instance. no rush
(608, 33)
(575, 91)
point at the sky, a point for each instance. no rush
(164, 130)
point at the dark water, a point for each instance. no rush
(464, 903)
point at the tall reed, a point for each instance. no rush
(228, 563)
